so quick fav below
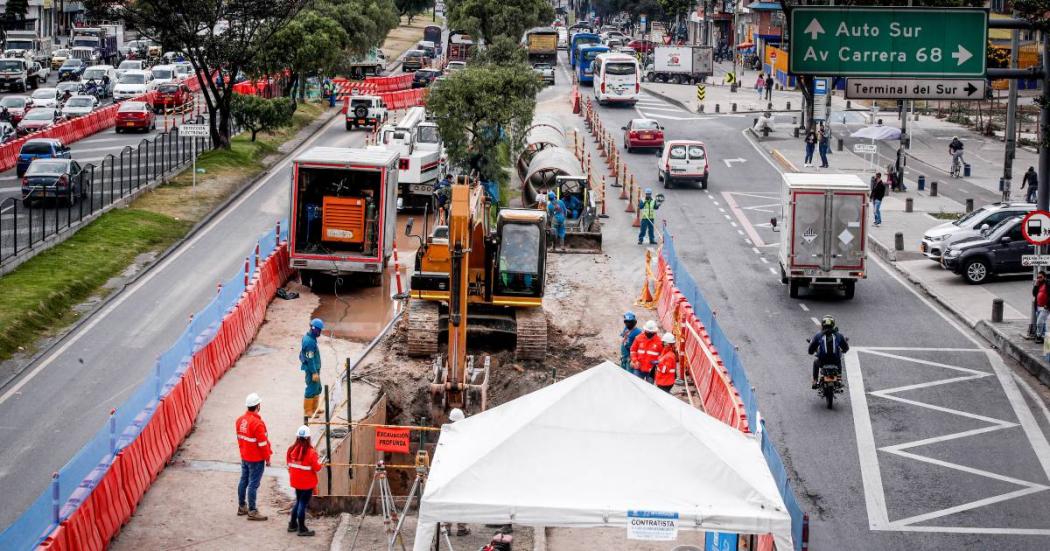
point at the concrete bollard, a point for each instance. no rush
(840, 145)
(717, 108)
(898, 241)
(909, 205)
(933, 188)
(997, 310)
(732, 87)
(765, 131)
(700, 108)
(788, 108)
(848, 104)
(769, 106)
(969, 204)
(794, 121)
(796, 131)
(733, 107)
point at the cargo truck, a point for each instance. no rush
(541, 44)
(343, 211)
(419, 148)
(680, 64)
(370, 64)
(100, 39)
(459, 46)
(27, 44)
(824, 219)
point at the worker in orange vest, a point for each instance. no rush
(303, 465)
(667, 367)
(255, 456)
(645, 352)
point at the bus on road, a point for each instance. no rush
(580, 41)
(617, 78)
(583, 65)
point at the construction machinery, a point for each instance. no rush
(481, 273)
(557, 170)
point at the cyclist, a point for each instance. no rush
(955, 149)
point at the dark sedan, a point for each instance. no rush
(60, 179)
(423, 77)
(71, 69)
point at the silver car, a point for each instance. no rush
(78, 106)
(937, 238)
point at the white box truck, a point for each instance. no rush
(680, 64)
(824, 231)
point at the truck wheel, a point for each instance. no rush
(793, 289)
(849, 289)
(783, 276)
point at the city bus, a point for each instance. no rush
(581, 40)
(617, 78)
(586, 57)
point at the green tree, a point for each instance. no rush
(366, 22)
(412, 8)
(477, 109)
(16, 10)
(491, 18)
(502, 51)
(311, 44)
(259, 114)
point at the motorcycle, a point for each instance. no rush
(92, 88)
(829, 383)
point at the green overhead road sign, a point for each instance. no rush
(888, 42)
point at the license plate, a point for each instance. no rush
(677, 169)
(922, 247)
(421, 188)
(647, 136)
(361, 121)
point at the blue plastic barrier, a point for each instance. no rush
(82, 471)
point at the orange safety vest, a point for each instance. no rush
(646, 351)
(302, 473)
(667, 369)
(252, 439)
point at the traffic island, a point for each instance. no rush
(1010, 337)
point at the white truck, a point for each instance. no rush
(28, 45)
(419, 146)
(825, 231)
(343, 218)
(680, 64)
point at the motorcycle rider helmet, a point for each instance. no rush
(827, 323)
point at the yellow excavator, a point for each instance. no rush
(479, 275)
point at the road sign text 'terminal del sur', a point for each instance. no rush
(888, 42)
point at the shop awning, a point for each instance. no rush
(765, 6)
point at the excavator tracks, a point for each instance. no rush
(532, 334)
(423, 328)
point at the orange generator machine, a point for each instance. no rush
(343, 211)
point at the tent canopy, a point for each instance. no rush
(584, 451)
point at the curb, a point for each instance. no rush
(783, 161)
(539, 538)
(1032, 363)
(669, 99)
(342, 529)
(310, 132)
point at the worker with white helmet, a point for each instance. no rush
(667, 365)
(645, 352)
(303, 465)
(255, 451)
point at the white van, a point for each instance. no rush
(617, 79)
(100, 74)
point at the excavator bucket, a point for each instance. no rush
(583, 233)
(581, 242)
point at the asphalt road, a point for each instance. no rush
(98, 365)
(938, 444)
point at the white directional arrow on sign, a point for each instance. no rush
(729, 162)
(813, 29)
(962, 55)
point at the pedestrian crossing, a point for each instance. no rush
(652, 107)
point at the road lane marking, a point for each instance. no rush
(727, 217)
(731, 223)
(751, 231)
(803, 307)
(772, 271)
(755, 249)
(1032, 394)
(722, 210)
(99, 315)
(814, 320)
(763, 259)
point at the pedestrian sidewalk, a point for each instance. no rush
(193, 503)
(970, 303)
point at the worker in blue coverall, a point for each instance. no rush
(647, 207)
(310, 363)
(574, 205)
(627, 336)
(556, 211)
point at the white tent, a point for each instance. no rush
(585, 451)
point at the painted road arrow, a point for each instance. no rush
(729, 162)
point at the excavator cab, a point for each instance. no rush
(520, 258)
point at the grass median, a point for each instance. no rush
(40, 295)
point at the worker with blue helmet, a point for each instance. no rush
(627, 336)
(557, 211)
(310, 363)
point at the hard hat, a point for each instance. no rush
(252, 400)
(456, 415)
(550, 195)
(303, 432)
(648, 191)
(316, 323)
(651, 327)
(668, 338)
(629, 316)
(827, 322)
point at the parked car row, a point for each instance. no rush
(982, 244)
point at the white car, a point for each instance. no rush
(683, 161)
(78, 106)
(132, 85)
(183, 69)
(100, 74)
(129, 65)
(939, 237)
(163, 74)
(454, 66)
(45, 97)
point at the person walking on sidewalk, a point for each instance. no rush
(647, 209)
(760, 83)
(1041, 294)
(769, 87)
(1031, 181)
(645, 352)
(627, 336)
(811, 144)
(303, 465)
(255, 456)
(822, 143)
(310, 363)
(667, 365)
(878, 191)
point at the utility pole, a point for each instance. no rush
(1011, 118)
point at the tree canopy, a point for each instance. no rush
(491, 18)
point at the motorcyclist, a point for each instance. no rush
(955, 149)
(65, 96)
(828, 345)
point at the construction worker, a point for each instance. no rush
(627, 336)
(303, 465)
(310, 363)
(667, 366)
(645, 352)
(556, 211)
(647, 207)
(255, 456)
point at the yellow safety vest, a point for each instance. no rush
(648, 209)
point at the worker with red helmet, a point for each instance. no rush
(667, 366)
(645, 352)
(255, 455)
